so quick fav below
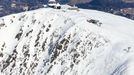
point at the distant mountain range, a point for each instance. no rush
(118, 7)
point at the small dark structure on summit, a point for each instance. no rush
(54, 4)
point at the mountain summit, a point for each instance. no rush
(69, 41)
(119, 7)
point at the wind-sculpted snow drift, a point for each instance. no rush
(66, 42)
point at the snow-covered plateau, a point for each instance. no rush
(67, 41)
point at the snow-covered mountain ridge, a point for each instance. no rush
(66, 42)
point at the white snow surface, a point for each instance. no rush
(66, 42)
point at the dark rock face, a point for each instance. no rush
(41, 45)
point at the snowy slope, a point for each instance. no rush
(66, 42)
